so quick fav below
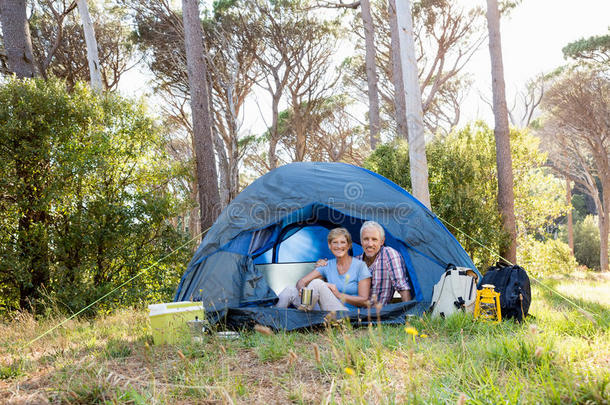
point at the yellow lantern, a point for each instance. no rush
(487, 305)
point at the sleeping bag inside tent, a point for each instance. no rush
(272, 233)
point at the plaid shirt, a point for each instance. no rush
(389, 274)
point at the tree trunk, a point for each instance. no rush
(233, 144)
(224, 177)
(194, 222)
(417, 141)
(92, 55)
(234, 168)
(273, 138)
(506, 199)
(604, 228)
(16, 37)
(371, 73)
(207, 178)
(299, 128)
(602, 224)
(570, 221)
(400, 110)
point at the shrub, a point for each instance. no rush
(463, 185)
(87, 194)
(587, 242)
(543, 258)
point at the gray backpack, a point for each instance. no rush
(456, 290)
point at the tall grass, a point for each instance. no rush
(557, 356)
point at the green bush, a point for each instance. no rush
(87, 194)
(586, 242)
(463, 186)
(543, 258)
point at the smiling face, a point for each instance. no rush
(339, 246)
(371, 242)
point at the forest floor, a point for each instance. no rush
(559, 355)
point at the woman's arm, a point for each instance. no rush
(360, 300)
(307, 278)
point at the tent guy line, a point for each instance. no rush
(114, 290)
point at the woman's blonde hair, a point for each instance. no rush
(335, 233)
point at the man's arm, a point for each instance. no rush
(405, 295)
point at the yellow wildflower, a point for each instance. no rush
(423, 335)
(349, 371)
(411, 331)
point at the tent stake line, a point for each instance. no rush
(114, 290)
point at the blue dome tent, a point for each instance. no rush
(284, 217)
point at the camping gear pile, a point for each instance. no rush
(505, 293)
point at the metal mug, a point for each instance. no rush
(306, 295)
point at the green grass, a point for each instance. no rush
(559, 355)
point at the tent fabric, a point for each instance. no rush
(291, 319)
(274, 218)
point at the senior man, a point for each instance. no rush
(385, 264)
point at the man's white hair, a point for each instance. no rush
(374, 225)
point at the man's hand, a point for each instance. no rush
(405, 295)
(321, 263)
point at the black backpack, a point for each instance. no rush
(513, 284)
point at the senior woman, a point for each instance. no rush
(348, 280)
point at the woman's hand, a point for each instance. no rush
(333, 288)
(305, 280)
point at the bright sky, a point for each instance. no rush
(532, 38)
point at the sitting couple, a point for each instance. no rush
(352, 281)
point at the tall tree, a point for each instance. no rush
(207, 179)
(400, 109)
(506, 196)
(232, 42)
(594, 49)
(310, 84)
(16, 36)
(287, 31)
(577, 136)
(369, 61)
(92, 54)
(60, 49)
(371, 72)
(446, 36)
(413, 103)
(233, 73)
